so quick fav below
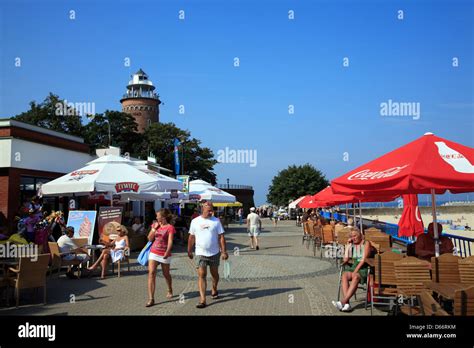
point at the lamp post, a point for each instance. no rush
(228, 186)
(110, 137)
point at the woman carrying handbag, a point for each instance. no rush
(161, 235)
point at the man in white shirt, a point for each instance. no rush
(254, 225)
(70, 249)
(207, 233)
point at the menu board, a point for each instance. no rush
(109, 219)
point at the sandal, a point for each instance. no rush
(150, 303)
(201, 305)
(215, 296)
(169, 294)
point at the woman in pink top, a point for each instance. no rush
(161, 235)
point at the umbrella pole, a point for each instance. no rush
(347, 213)
(354, 214)
(435, 222)
(360, 216)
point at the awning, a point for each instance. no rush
(228, 205)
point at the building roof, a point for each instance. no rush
(5, 123)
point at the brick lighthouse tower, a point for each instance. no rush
(141, 101)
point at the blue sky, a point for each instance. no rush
(282, 62)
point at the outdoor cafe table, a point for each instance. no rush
(93, 248)
(446, 290)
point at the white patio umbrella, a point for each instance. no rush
(293, 204)
(110, 173)
(151, 196)
(201, 190)
(166, 183)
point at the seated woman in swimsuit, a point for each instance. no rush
(357, 250)
(116, 251)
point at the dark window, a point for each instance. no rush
(29, 187)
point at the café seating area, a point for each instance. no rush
(401, 284)
(18, 274)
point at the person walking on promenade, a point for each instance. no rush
(240, 214)
(161, 235)
(254, 226)
(275, 218)
(207, 233)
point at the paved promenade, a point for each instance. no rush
(282, 278)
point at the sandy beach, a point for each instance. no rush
(457, 218)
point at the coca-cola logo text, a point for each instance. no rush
(366, 174)
(126, 187)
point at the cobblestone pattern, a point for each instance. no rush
(282, 278)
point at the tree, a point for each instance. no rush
(294, 182)
(123, 132)
(198, 161)
(158, 138)
(52, 114)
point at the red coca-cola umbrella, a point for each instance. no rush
(308, 202)
(410, 224)
(326, 198)
(329, 198)
(429, 164)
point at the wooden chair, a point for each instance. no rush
(327, 239)
(29, 274)
(341, 241)
(57, 261)
(371, 231)
(310, 227)
(411, 275)
(119, 264)
(317, 236)
(306, 234)
(343, 236)
(464, 302)
(337, 229)
(385, 279)
(428, 305)
(382, 239)
(444, 269)
(466, 270)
